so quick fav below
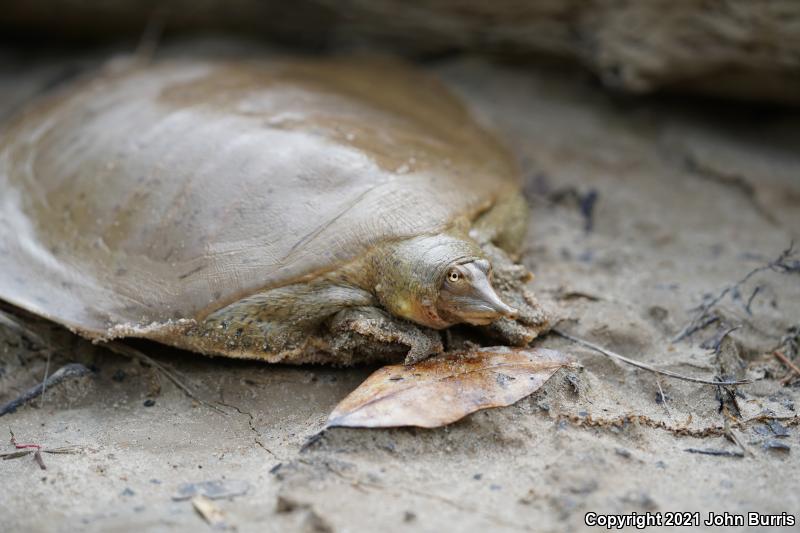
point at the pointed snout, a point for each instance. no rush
(472, 299)
(484, 303)
(490, 298)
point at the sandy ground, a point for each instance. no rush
(688, 199)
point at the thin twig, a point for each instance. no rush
(750, 300)
(67, 371)
(644, 366)
(781, 263)
(716, 343)
(731, 436)
(35, 448)
(28, 451)
(11, 321)
(44, 380)
(786, 361)
(37, 456)
(152, 34)
(21, 446)
(15, 455)
(691, 330)
(663, 398)
(718, 453)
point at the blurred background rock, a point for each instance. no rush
(734, 48)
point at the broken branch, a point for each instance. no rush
(643, 366)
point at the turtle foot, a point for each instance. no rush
(362, 330)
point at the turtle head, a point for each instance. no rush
(466, 294)
(438, 281)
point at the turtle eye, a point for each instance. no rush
(453, 276)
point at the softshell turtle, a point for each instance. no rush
(294, 210)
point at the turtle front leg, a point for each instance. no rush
(317, 322)
(285, 324)
(371, 333)
(510, 281)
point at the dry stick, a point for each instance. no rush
(23, 329)
(127, 351)
(67, 371)
(35, 448)
(37, 456)
(20, 327)
(691, 329)
(152, 34)
(717, 346)
(644, 366)
(733, 438)
(44, 379)
(788, 362)
(27, 451)
(700, 321)
(663, 398)
(116, 347)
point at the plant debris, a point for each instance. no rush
(719, 453)
(37, 450)
(794, 371)
(443, 389)
(71, 370)
(209, 511)
(715, 343)
(644, 366)
(786, 263)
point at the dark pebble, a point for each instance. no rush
(622, 452)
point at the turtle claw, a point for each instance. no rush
(417, 353)
(362, 330)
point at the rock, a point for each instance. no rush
(737, 48)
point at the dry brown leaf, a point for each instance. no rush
(441, 390)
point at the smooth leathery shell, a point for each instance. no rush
(165, 192)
